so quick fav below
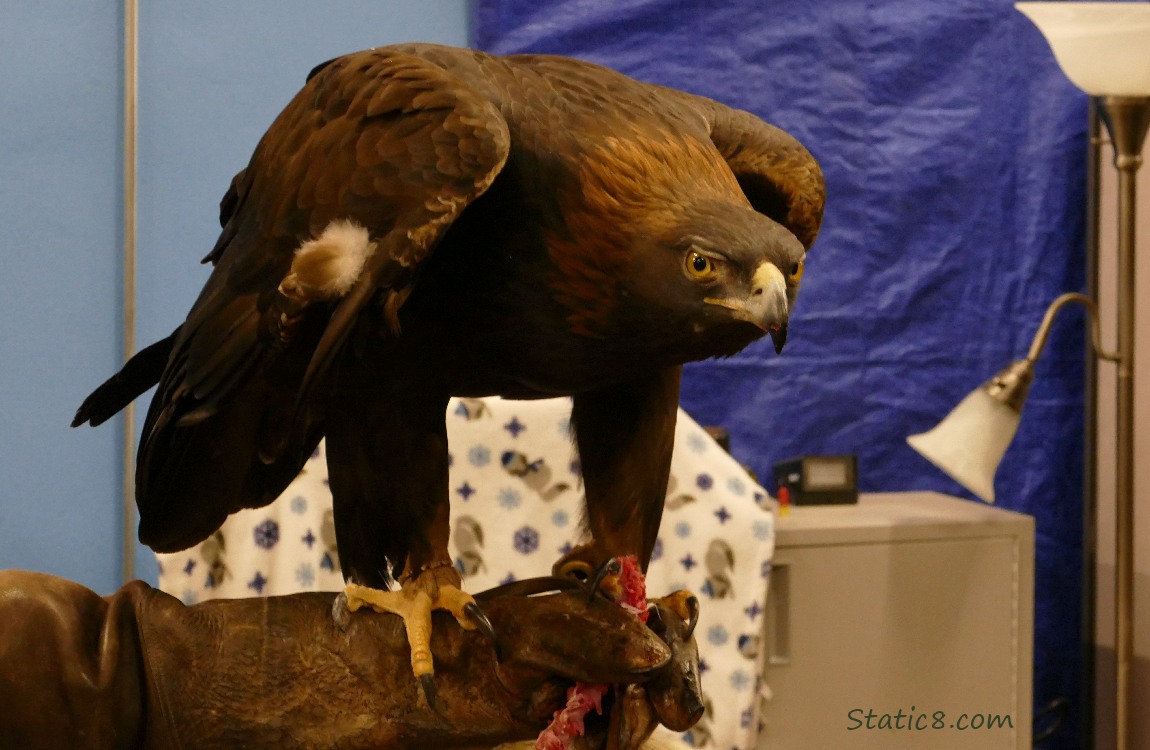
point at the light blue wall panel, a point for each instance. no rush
(60, 73)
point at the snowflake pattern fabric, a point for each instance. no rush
(516, 499)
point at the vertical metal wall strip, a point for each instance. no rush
(128, 291)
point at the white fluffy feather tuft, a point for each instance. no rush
(329, 265)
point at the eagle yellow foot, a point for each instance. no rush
(432, 588)
(582, 563)
(620, 579)
(686, 606)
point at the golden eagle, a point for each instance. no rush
(425, 221)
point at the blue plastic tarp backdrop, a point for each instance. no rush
(954, 151)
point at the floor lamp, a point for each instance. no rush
(1104, 49)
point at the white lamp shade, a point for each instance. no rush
(1104, 48)
(969, 444)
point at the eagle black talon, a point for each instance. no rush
(477, 616)
(611, 567)
(427, 682)
(693, 608)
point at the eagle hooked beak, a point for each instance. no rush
(779, 337)
(766, 306)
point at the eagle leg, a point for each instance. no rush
(433, 587)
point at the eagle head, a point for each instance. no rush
(662, 247)
(721, 276)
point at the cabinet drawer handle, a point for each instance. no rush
(779, 614)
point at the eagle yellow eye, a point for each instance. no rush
(796, 272)
(699, 266)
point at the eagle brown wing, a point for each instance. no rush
(777, 174)
(385, 139)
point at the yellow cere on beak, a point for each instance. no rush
(766, 274)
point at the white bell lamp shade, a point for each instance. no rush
(1103, 48)
(969, 444)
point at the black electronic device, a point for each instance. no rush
(818, 480)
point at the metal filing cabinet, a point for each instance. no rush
(912, 613)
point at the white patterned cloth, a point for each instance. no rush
(516, 502)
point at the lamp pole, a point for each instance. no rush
(1127, 119)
